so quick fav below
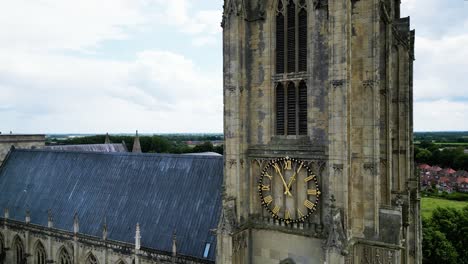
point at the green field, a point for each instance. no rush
(429, 204)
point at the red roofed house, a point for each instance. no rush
(462, 184)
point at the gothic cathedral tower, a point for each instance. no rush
(318, 125)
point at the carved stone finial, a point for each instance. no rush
(76, 224)
(50, 220)
(137, 237)
(107, 140)
(136, 144)
(28, 216)
(332, 201)
(104, 229)
(399, 201)
(174, 244)
(336, 239)
(228, 221)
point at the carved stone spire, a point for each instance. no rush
(50, 222)
(136, 144)
(6, 213)
(174, 244)
(137, 237)
(76, 224)
(107, 141)
(104, 230)
(28, 217)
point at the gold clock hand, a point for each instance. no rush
(282, 178)
(293, 178)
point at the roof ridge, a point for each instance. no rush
(123, 153)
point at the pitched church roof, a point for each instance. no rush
(163, 193)
(91, 147)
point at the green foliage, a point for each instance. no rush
(445, 236)
(453, 157)
(434, 201)
(153, 144)
(424, 156)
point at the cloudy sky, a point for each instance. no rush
(156, 65)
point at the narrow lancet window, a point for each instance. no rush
(302, 40)
(302, 108)
(291, 109)
(280, 109)
(280, 40)
(291, 33)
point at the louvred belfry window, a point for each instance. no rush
(280, 109)
(291, 64)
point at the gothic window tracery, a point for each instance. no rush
(64, 257)
(91, 259)
(18, 250)
(291, 60)
(40, 254)
(291, 36)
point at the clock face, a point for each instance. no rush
(289, 190)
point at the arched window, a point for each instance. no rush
(2, 250)
(18, 251)
(40, 256)
(291, 58)
(91, 259)
(64, 257)
(291, 36)
(291, 109)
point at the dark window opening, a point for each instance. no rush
(280, 43)
(291, 37)
(280, 104)
(302, 108)
(291, 109)
(302, 40)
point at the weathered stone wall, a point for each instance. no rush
(359, 138)
(19, 141)
(79, 247)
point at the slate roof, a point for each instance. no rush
(164, 193)
(91, 147)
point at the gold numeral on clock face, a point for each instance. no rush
(287, 165)
(311, 192)
(276, 209)
(268, 199)
(277, 168)
(269, 176)
(309, 204)
(265, 187)
(299, 213)
(308, 179)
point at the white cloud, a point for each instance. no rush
(440, 115)
(157, 92)
(65, 24)
(46, 88)
(441, 68)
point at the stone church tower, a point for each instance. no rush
(318, 125)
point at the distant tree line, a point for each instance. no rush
(445, 237)
(430, 153)
(442, 137)
(153, 144)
